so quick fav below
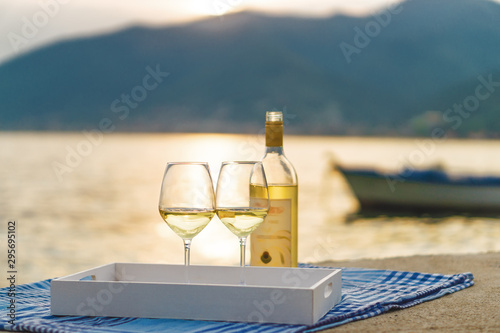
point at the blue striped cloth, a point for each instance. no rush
(365, 293)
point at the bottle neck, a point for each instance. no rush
(274, 150)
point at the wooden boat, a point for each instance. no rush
(423, 191)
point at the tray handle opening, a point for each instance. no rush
(328, 290)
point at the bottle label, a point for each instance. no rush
(274, 134)
(271, 242)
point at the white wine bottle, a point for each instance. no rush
(275, 242)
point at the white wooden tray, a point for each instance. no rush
(254, 294)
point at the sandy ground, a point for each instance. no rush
(475, 309)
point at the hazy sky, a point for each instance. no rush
(52, 20)
(27, 24)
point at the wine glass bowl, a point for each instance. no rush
(242, 199)
(187, 200)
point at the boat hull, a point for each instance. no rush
(376, 192)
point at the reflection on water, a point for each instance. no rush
(104, 209)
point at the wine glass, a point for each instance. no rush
(242, 199)
(187, 200)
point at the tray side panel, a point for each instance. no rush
(121, 299)
(205, 303)
(327, 294)
(83, 298)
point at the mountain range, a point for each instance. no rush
(406, 70)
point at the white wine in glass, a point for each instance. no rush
(187, 200)
(242, 199)
(241, 221)
(187, 223)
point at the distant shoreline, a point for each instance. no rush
(311, 135)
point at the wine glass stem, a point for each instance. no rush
(243, 242)
(187, 251)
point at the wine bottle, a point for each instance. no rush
(275, 242)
